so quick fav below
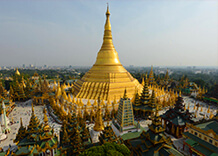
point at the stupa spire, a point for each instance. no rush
(46, 126)
(98, 119)
(125, 96)
(107, 53)
(107, 76)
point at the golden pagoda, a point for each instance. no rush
(98, 119)
(107, 77)
(17, 72)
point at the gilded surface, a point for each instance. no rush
(107, 78)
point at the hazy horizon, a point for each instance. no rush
(145, 33)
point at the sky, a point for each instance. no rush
(145, 33)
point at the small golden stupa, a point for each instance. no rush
(107, 78)
(17, 72)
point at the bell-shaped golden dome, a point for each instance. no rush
(107, 77)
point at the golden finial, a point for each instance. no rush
(81, 102)
(32, 108)
(79, 115)
(211, 115)
(125, 96)
(157, 109)
(115, 101)
(17, 72)
(98, 119)
(143, 81)
(180, 93)
(195, 114)
(45, 117)
(95, 103)
(108, 124)
(69, 98)
(21, 122)
(107, 24)
(46, 126)
(108, 101)
(195, 106)
(108, 12)
(73, 101)
(208, 110)
(88, 103)
(102, 103)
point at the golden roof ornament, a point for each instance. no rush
(211, 115)
(102, 103)
(98, 119)
(108, 101)
(95, 103)
(89, 103)
(81, 103)
(208, 110)
(73, 101)
(79, 115)
(17, 72)
(32, 109)
(58, 92)
(180, 93)
(69, 98)
(201, 109)
(143, 81)
(125, 96)
(115, 101)
(46, 126)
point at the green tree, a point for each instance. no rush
(107, 149)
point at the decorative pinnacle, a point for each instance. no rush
(108, 12)
(32, 108)
(107, 24)
(125, 96)
(21, 122)
(99, 102)
(45, 117)
(180, 94)
(157, 109)
(108, 124)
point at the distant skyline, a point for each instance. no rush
(145, 33)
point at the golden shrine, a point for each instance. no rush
(107, 78)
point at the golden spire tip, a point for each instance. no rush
(108, 12)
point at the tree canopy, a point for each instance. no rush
(107, 149)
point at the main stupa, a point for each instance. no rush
(107, 78)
